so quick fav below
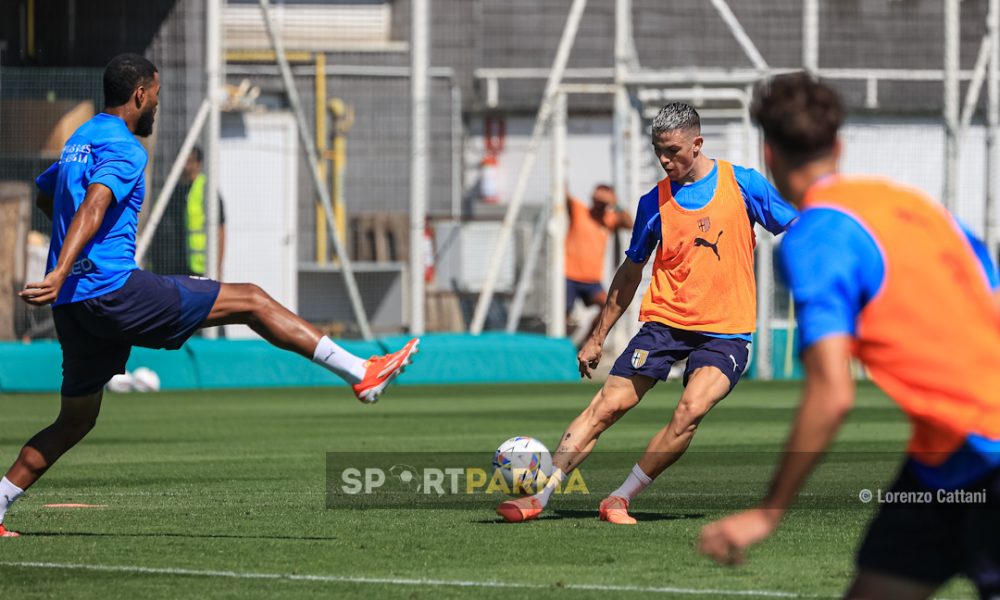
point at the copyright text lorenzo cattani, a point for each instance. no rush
(940, 496)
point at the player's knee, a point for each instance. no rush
(257, 300)
(689, 413)
(76, 425)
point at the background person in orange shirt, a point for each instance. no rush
(881, 272)
(701, 305)
(590, 228)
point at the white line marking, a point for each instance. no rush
(405, 581)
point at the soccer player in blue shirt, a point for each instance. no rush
(882, 273)
(103, 304)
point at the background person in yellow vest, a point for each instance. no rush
(181, 243)
(587, 238)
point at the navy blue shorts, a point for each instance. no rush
(657, 347)
(587, 292)
(152, 311)
(936, 535)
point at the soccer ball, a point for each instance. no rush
(120, 383)
(525, 464)
(145, 380)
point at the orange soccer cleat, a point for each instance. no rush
(520, 510)
(4, 532)
(614, 509)
(381, 370)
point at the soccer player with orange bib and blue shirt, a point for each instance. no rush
(881, 272)
(701, 305)
(590, 228)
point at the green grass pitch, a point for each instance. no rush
(223, 494)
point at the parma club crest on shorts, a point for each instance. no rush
(639, 358)
(704, 224)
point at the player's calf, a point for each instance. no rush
(76, 419)
(602, 415)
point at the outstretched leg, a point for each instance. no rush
(615, 398)
(247, 304)
(77, 417)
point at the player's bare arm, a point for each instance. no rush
(44, 203)
(86, 222)
(625, 220)
(828, 397)
(627, 279)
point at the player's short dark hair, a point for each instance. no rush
(123, 74)
(800, 116)
(197, 154)
(676, 115)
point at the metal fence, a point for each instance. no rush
(919, 79)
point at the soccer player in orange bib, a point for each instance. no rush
(701, 305)
(880, 272)
(590, 227)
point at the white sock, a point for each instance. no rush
(550, 486)
(337, 360)
(634, 483)
(8, 493)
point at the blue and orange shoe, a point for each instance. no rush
(4, 532)
(381, 370)
(520, 510)
(614, 509)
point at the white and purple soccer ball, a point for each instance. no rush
(120, 383)
(145, 379)
(524, 463)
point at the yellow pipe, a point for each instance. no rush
(237, 56)
(343, 121)
(339, 161)
(31, 28)
(322, 243)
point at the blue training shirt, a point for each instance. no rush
(104, 151)
(764, 205)
(834, 268)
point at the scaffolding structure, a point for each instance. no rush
(413, 138)
(635, 88)
(209, 117)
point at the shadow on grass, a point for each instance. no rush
(558, 515)
(167, 534)
(638, 516)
